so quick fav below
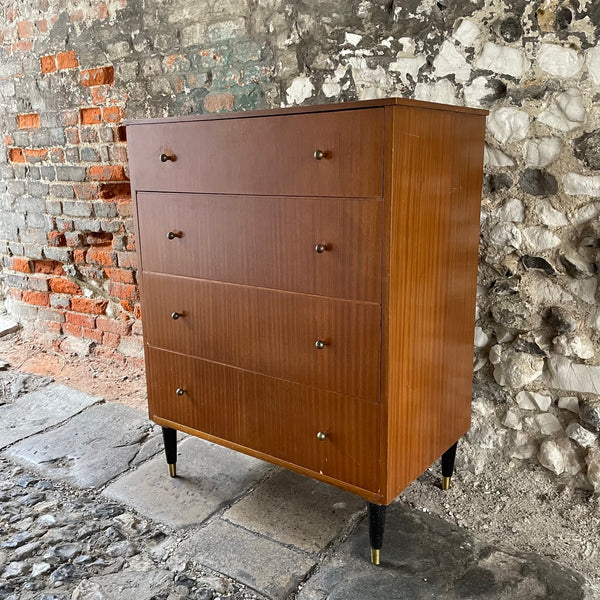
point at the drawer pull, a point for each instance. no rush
(320, 248)
(320, 344)
(180, 391)
(175, 316)
(321, 436)
(320, 154)
(174, 234)
(167, 157)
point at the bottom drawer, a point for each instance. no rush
(272, 416)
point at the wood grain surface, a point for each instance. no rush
(430, 266)
(274, 417)
(272, 156)
(266, 242)
(267, 331)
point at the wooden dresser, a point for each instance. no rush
(308, 283)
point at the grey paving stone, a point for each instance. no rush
(208, 476)
(296, 510)
(39, 410)
(426, 558)
(128, 585)
(90, 449)
(270, 568)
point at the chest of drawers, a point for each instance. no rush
(308, 284)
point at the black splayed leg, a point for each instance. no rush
(376, 528)
(448, 466)
(170, 440)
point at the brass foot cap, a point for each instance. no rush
(375, 556)
(446, 483)
(172, 470)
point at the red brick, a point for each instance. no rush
(111, 339)
(89, 305)
(11, 14)
(42, 26)
(109, 191)
(67, 60)
(69, 117)
(113, 326)
(76, 318)
(120, 275)
(101, 255)
(126, 291)
(16, 294)
(92, 334)
(218, 102)
(127, 307)
(72, 135)
(121, 134)
(125, 208)
(37, 298)
(107, 173)
(28, 121)
(91, 116)
(86, 191)
(21, 264)
(99, 239)
(16, 155)
(48, 63)
(57, 155)
(77, 16)
(60, 285)
(112, 114)
(8, 140)
(25, 29)
(56, 238)
(48, 267)
(22, 46)
(137, 312)
(79, 255)
(119, 153)
(72, 329)
(99, 76)
(36, 153)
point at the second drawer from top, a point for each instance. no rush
(322, 246)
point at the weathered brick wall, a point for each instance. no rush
(71, 70)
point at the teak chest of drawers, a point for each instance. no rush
(308, 285)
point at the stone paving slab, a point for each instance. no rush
(296, 510)
(38, 410)
(208, 477)
(427, 558)
(90, 449)
(266, 566)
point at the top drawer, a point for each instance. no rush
(272, 155)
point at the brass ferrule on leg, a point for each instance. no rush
(375, 556)
(172, 470)
(446, 483)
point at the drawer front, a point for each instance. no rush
(264, 241)
(271, 155)
(266, 331)
(275, 417)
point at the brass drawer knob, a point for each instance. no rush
(321, 436)
(167, 157)
(320, 154)
(320, 344)
(320, 248)
(174, 234)
(180, 391)
(175, 316)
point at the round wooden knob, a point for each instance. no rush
(321, 436)
(320, 344)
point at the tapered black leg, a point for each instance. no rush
(170, 440)
(376, 528)
(448, 466)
